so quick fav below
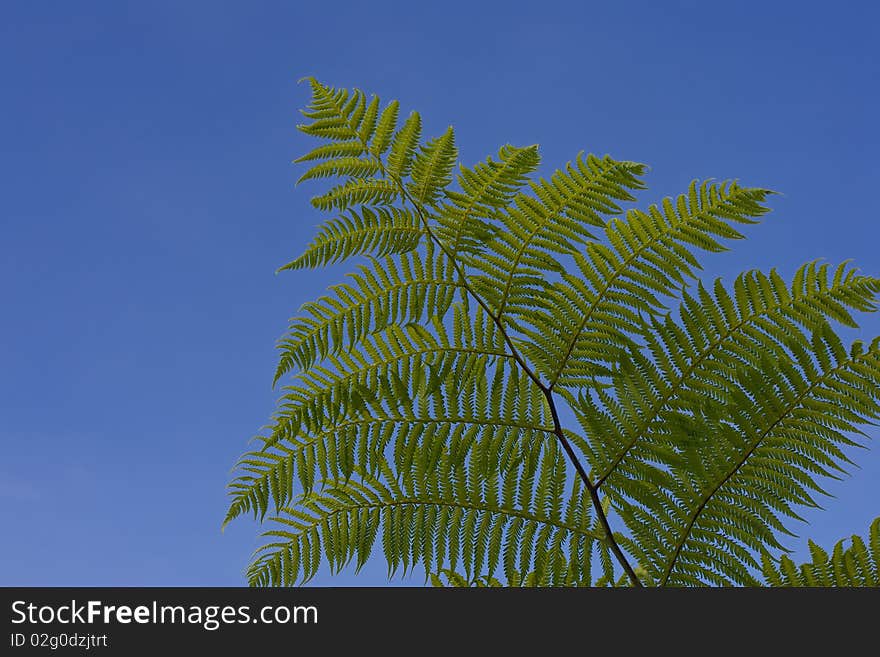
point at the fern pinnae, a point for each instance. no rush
(855, 565)
(381, 140)
(694, 226)
(399, 506)
(357, 191)
(353, 167)
(331, 112)
(798, 304)
(486, 189)
(381, 295)
(556, 221)
(403, 147)
(402, 150)
(870, 408)
(335, 149)
(432, 168)
(346, 425)
(377, 231)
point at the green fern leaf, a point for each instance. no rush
(432, 168)
(646, 261)
(358, 191)
(535, 230)
(403, 146)
(354, 167)
(467, 221)
(401, 289)
(411, 515)
(379, 232)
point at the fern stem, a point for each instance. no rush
(594, 492)
(545, 389)
(557, 426)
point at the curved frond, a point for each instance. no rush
(359, 136)
(711, 487)
(345, 119)
(442, 516)
(402, 389)
(403, 146)
(470, 216)
(423, 411)
(354, 127)
(358, 191)
(398, 290)
(353, 167)
(432, 168)
(380, 231)
(715, 330)
(555, 221)
(585, 321)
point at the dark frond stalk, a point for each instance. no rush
(557, 426)
(458, 270)
(547, 390)
(594, 492)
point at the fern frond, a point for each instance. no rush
(340, 115)
(353, 167)
(359, 137)
(470, 217)
(537, 229)
(423, 410)
(380, 232)
(358, 191)
(714, 330)
(402, 389)
(333, 150)
(446, 516)
(730, 475)
(381, 139)
(403, 146)
(432, 168)
(399, 289)
(346, 119)
(584, 321)
(855, 565)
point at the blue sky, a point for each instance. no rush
(147, 198)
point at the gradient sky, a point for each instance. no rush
(147, 199)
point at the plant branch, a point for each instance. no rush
(594, 493)
(545, 389)
(548, 394)
(458, 270)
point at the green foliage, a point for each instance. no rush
(380, 231)
(425, 411)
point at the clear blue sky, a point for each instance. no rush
(147, 198)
